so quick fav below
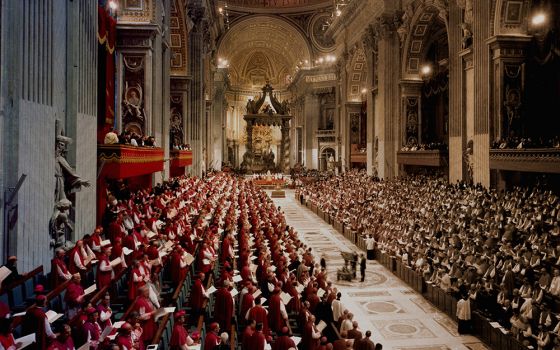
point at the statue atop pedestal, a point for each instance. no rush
(67, 182)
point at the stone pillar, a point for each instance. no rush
(482, 23)
(458, 93)
(467, 110)
(196, 103)
(389, 60)
(370, 48)
(311, 112)
(217, 125)
(341, 120)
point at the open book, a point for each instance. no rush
(162, 311)
(53, 316)
(115, 262)
(90, 289)
(25, 341)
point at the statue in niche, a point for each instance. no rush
(467, 36)
(67, 182)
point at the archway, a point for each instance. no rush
(326, 157)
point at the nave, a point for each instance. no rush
(396, 315)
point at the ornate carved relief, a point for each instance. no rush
(137, 11)
(412, 113)
(318, 32)
(133, 113)
(178, 39)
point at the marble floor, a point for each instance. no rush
(397, 316)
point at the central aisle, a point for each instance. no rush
(397, 316)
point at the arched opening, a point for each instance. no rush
(327, 159)
(434, 131)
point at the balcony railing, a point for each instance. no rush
(541, 160)
(122, 161)
(435, 158)
(180, 159)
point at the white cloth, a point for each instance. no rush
(464, 309)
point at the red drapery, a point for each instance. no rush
(107, 34)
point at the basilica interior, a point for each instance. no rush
(213, 130)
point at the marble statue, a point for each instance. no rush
(67, 182)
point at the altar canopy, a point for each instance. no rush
(275, 113)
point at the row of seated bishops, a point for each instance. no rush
(501, 248)
(193, 263)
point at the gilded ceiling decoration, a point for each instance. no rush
(261, 48)
(274, 6)
(178, 39)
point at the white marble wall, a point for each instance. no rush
(42, 62)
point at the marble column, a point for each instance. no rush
(370, 48)
(217, 122)
(196, 101)
(311, 124)
(482, 29)
(388, 75)
(341, 119)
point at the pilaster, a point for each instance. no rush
(389, 125)
(482, 11)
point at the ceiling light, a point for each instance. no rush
(364, 91)
(426, 69)
(538, 19)
(113, 5)
(220, 10)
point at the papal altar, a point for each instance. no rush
(256, 158)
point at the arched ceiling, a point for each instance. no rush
(276, 6)
(262, 47)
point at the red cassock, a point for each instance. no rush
(71, 264)
(62, 344)
(34, 322)
(103, 277)
(125, 341)
(283, 342)
(307, 338)
(257, 341)
(197, 295)
(223, 309)
(259, 314)
(73, 292)
(211, 341)
(133, 286)
(143, 306)
(247, 333)
(55, 264)
(178, 337)
(246, 304)
(275, 319)
(114, 231)
(116, 252)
